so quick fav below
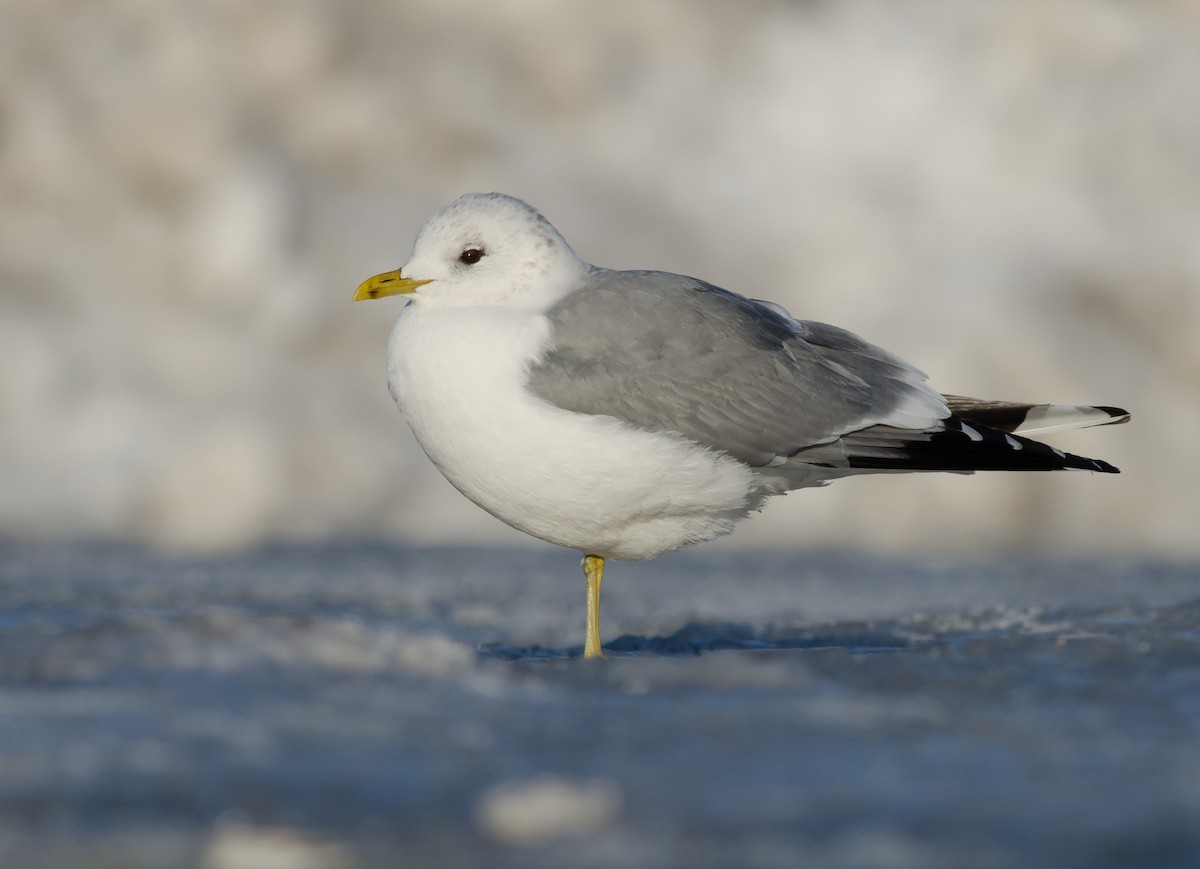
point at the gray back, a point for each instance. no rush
(663, 351)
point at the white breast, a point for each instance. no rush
(592, 483)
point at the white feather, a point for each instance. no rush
(458, 375)
(1063, 417)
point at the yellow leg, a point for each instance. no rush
(593, 571)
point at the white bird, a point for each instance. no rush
(626, 414)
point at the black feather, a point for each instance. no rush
(960, 446)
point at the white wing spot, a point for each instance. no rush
(1014, 443)
(970, 432)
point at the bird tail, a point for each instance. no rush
(1031, 419)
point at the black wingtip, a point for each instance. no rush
(963, 446)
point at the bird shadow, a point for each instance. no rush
(698, 639)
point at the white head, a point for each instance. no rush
(484, 249)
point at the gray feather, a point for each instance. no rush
(666, 352)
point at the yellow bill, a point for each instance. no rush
(387, 284)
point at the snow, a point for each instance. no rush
(190, 196)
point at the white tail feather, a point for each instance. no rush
(1046, 418)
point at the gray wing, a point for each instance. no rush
(667, 352)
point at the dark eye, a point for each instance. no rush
(471, 255)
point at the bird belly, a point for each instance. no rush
(589, 482)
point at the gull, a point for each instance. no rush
(626, 414)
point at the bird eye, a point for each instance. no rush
(471, 255)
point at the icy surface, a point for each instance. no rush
(365, 706)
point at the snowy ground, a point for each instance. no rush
(366, 706)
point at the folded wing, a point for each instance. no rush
(795, 397)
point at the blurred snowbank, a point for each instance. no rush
(1008, 194)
